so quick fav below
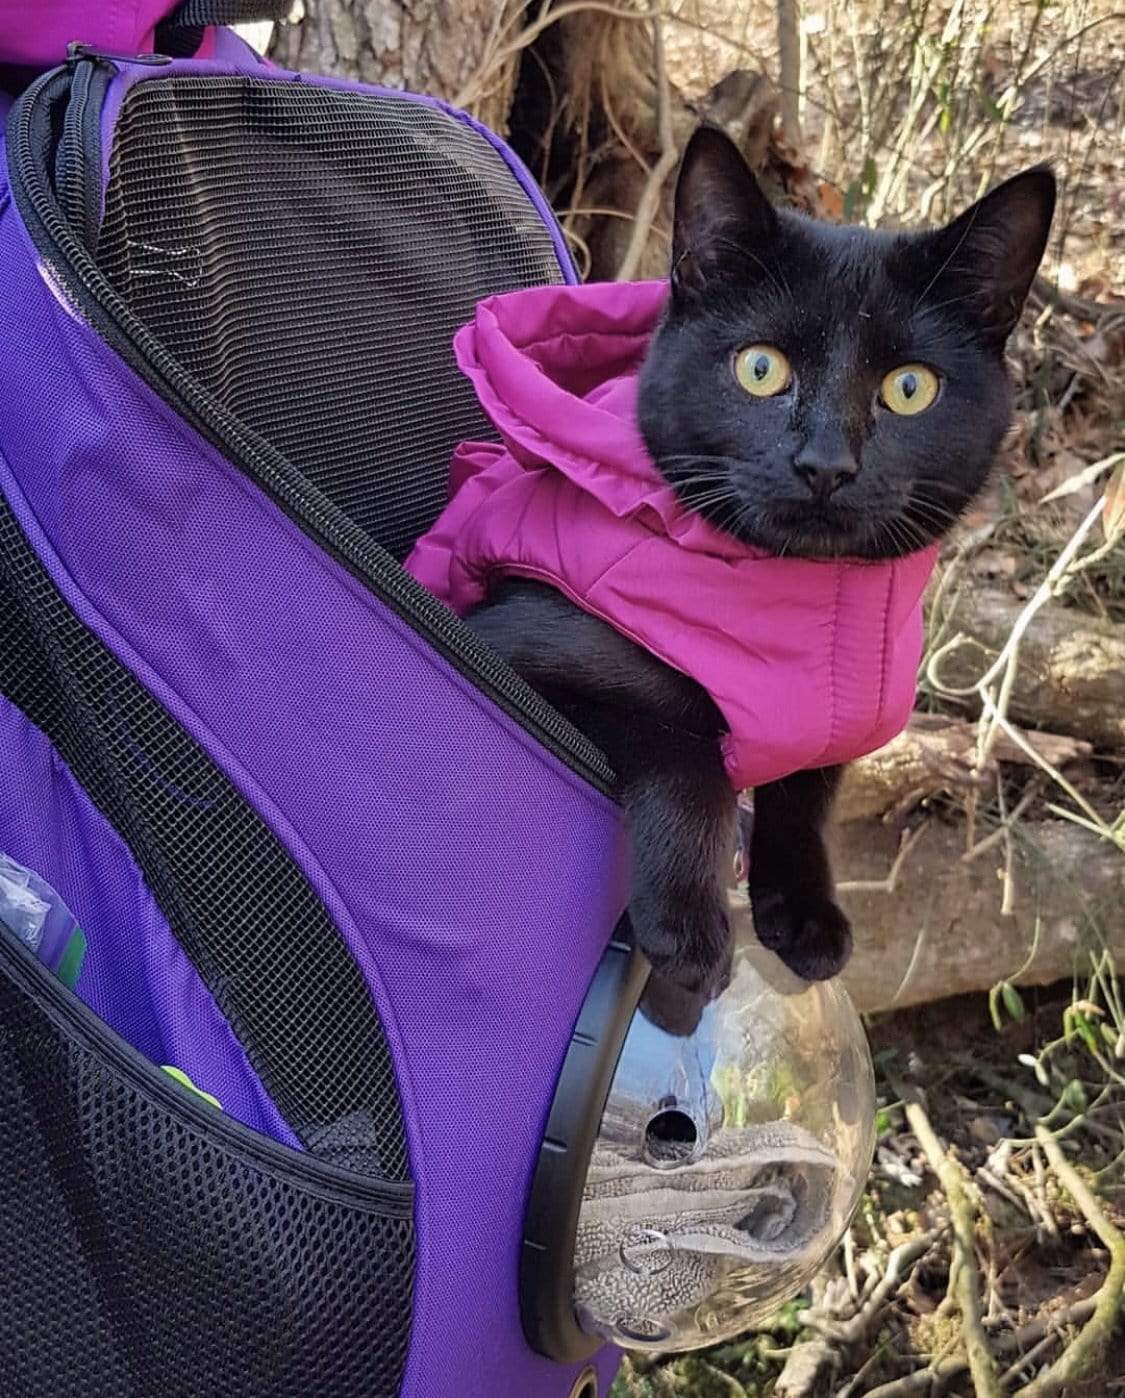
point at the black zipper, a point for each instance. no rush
(79, 1025)
(76, 52)
(79, 196)
(318, 517)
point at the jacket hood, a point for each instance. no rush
(556, 369)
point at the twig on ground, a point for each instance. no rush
(855, 1329)
(1040, 1190)
(849, 1265)
(994, 688)
(808, 1360)
(1079, 307)
(1007, 901)
(999, 1187)
(966, 1282)
(1042, 1209)
(726, 1381)
(1004, 830)
(855, 1385)
(1010, 1376)
(936, 1375)
(1084, 1353)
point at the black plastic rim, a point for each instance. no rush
(550, 1224)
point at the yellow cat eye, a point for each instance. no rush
(909, 390)
(762, 370)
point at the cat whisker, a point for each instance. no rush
(952, 301)
(886, 531)
(930, 483)
(699, 456)
(949, 260)
(932, 511)
(893, 527)
(742, 515)
(704, 478)
(934, 508)
(926, 524)
(917, 534)
(716, 495)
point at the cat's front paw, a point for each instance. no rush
(689, 943)
(811, 935)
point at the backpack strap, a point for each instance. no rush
(181, 33)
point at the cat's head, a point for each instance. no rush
(826, 391)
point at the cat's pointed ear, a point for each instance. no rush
(984, 262)
(721, 212)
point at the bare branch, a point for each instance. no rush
(649, 201)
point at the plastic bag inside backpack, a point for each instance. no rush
(334, 865)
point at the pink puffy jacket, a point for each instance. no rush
(35, 33)
(811, 663)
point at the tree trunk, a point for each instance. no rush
(789, 66)
(432, 46)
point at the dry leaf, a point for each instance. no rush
(993, 563)
(831, 200)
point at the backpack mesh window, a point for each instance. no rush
(307, 254)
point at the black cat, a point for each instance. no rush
(816, 391)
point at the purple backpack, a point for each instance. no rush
(334, 862)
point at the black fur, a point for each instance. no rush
(846, 306)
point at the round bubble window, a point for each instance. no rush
(727, 1164)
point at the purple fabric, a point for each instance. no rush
(136, 976)
(474, 877)
(228, 61)
(225, 46)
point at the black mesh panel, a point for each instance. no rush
(260, 938)
(307, 254)
(142, 1256)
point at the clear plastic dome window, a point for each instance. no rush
(726, 1165)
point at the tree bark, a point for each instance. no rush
(1071, 676)
(941, 931)
(789, 65)
(936, 753)
(432, 46)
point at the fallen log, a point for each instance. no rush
(936, 753)
(937, 929)
(1071, 675)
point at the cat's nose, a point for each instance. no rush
(825, 471)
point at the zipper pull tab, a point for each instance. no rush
(76, 52)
